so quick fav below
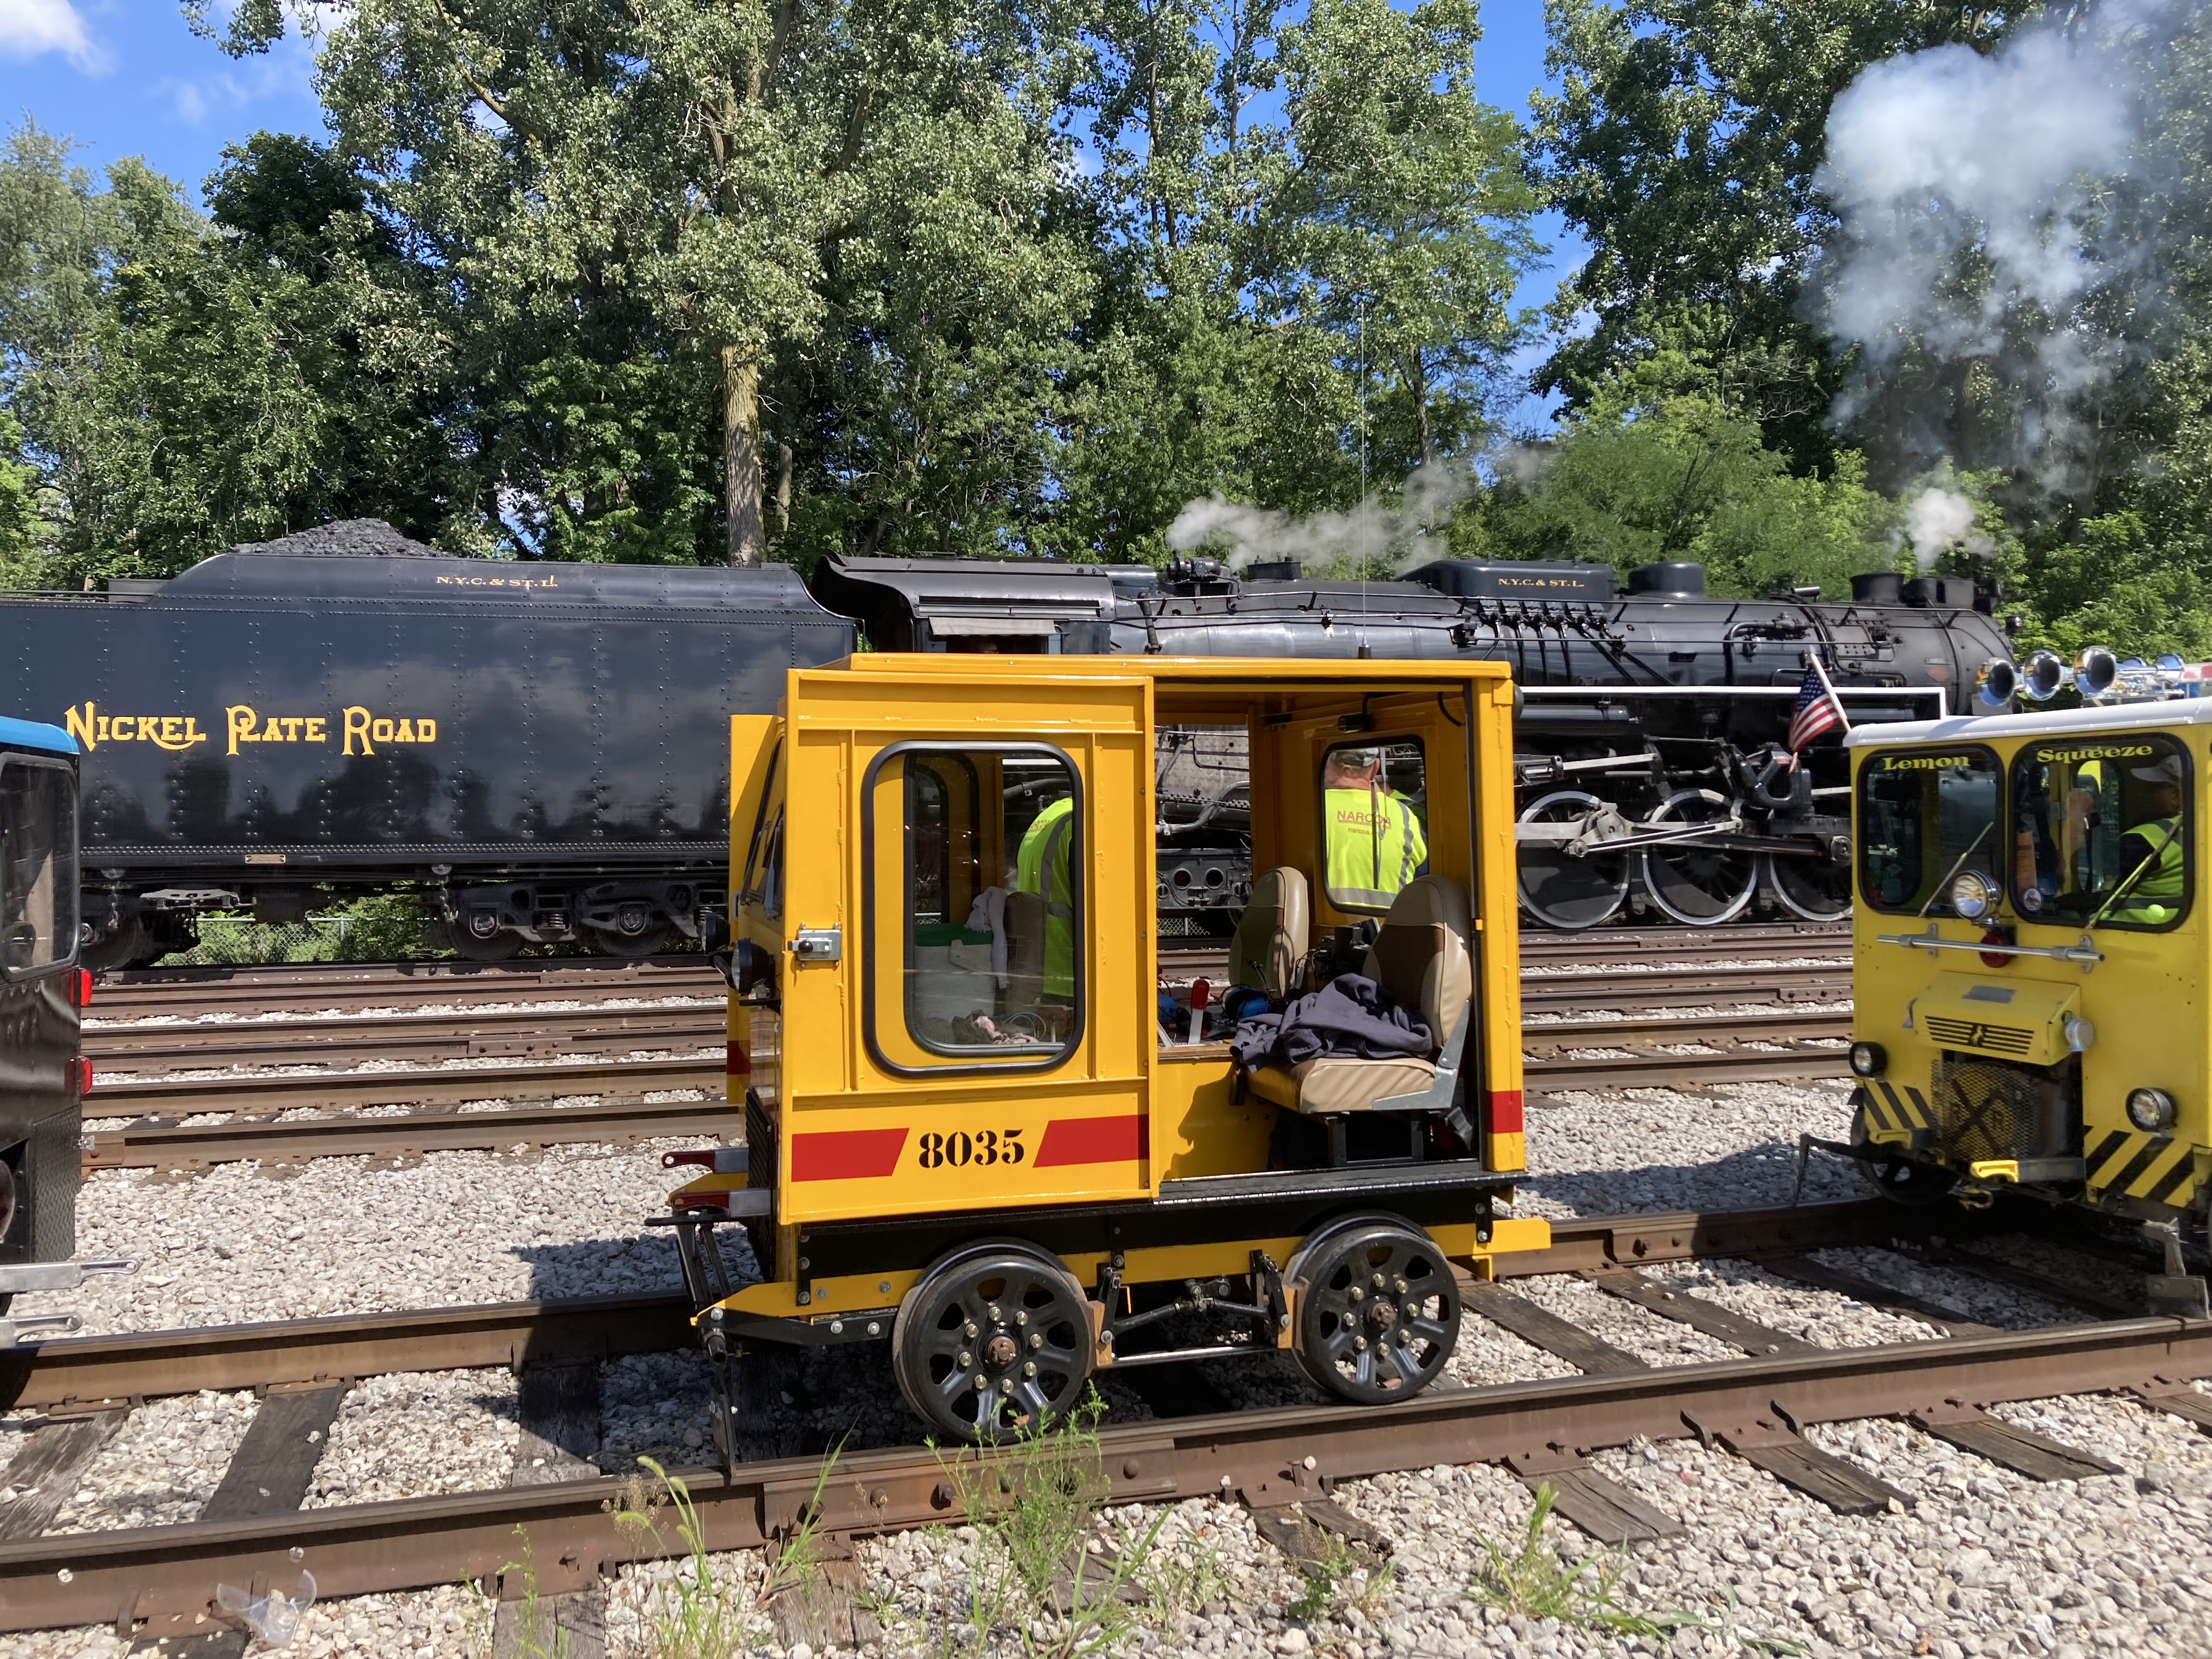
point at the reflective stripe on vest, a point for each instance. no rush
(1359, 859)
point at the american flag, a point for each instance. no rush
(1815, 711)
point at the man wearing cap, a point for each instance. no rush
(1375, 843)
(2152, 852)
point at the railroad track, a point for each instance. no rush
(158, 1581)
(1649, 1057)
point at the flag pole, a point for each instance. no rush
(1828, 686)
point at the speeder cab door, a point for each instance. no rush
(979, 1040)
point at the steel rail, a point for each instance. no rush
(158, 1581)
(269, 1092)
(1711, 987)
(82, 1372)
(154, 1145)
(388, 986)
(482, 1033)
(1657, 1069)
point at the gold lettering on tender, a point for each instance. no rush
(81, 726)
(357, 726)
(318, 727)
(406, 734)
(101, 727)
(381, 731)
(172, 732)
(241, 725)
(426, 731)
(193, 732)
(292, 724)
(120, 729)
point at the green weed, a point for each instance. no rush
(687, 1616)
(1534, 1582)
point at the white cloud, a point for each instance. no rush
(31, 28)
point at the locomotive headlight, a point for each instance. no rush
(1869, 1060)
(2079, 1033)
(1973, 895)
(2150, 1109)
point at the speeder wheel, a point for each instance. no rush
(1378, 1313)
(993, 1340)
(1703, 886)
(1557, 889)
(1899, 1179)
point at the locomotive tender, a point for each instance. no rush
(539, 744)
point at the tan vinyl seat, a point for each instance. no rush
(1422, 957)
(1273, 935)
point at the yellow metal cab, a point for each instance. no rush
(2029, 963)
(975, 1128)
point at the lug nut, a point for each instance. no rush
(1401, 1287)
(966, 1359)
(992, 1310)
(1036, 1340)
(1006, 1385)
(1021, 1317)
(1379, 1281)
(1358, 1295)
(970, 1327)
(1360, 1343)
(1030, 1370)
(982, 1385)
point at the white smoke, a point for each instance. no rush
(1937, 519)
(1978, 208)
(1404, 531)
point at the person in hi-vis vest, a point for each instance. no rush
(1041, 868)
(1376, 845)
(2155, 847)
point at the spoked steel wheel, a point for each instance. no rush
(1896, 1177)
(1813, 889)
(1703, 886)
(1557, 888)
(1378, 1313)
(995, 1339)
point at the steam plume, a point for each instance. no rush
(1984, 207)
(1938, 517)
(1403, 531)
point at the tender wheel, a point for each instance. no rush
(498, 946)
(1378, 1313)
(650, 938)
(1703, 886)
(1560, 890)
(994, 1339)
(1899, 1179)
(1814, 890)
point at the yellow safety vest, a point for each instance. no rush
(2156, 898)
(1375, 846)
(1041, 868)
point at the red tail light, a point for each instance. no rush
(81, 989)
(83, 1076)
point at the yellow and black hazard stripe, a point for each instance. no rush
(2152, 1167)
(1888, 1108)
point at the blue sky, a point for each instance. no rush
(126, 77)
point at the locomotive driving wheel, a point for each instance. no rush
(1378, 1311)
(1811, 889)
(994, 1339)
(1702, 886)
(1557, 888)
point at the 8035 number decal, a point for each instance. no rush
(960, 1148)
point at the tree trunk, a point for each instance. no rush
(741, 458)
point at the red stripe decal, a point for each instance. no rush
(740, 1064)
(1505, 1111)
(1091, 1140)
(846, 1154)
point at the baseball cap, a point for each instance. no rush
(2165, 770)
(1356, 757)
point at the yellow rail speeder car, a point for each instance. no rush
(2029, 963)
(971, 1130)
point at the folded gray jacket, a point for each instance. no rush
(1350, 1018)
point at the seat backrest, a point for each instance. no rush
(1271, 938)
(1422, 957)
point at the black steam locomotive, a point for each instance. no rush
(1652, 773)
(543, 746)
